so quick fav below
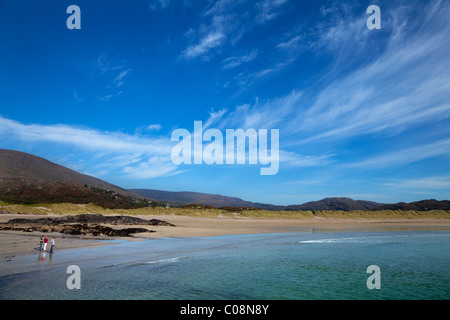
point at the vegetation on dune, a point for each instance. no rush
(209, 212)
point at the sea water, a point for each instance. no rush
(309, 264)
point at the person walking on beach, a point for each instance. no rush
(52, 244)
(45, 242)
(41, 242)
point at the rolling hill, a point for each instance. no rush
(186, 197)
(218, 201)
(423, 205)
(333, 204)
(28, 179)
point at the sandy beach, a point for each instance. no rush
(16, 242)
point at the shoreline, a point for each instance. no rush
(16, 243)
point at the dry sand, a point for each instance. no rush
(14, 243)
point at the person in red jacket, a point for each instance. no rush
(45, 242)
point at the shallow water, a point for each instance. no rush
(309, 264)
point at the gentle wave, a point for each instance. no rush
(168, 260)
(134, 264)
(367, 239)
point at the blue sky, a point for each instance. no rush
(361, 113)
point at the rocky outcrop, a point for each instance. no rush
(92, 218)
(77, 229)
(83, 224)
(97, 230)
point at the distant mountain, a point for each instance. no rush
(218, 201)
(327, 204)
(185, 197)
(25, 178)
(423, 205)
(339, 204)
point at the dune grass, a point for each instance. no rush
(69, 208)
(384, 214)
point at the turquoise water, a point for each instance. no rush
(414, 264)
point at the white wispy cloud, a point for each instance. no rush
(341, 31)
(210, 41)
(105, 98)
(112, 71)
(269, 9)
(76, 96)
(293, 159)
(221, 7)
(84, 137)
(209, 36)
(233, 62)
(117, 150)
(156, 5)
(118, 80)
(214, 117)
(292, 43)
(154, 127)
(405, 156)
(268, 114)
(406, 84)
(226, 22)
(424, 183)
(151, 168)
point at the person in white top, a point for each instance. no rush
(52, 244)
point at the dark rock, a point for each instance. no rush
(83, 224)
(91, 218)
(96, 230)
